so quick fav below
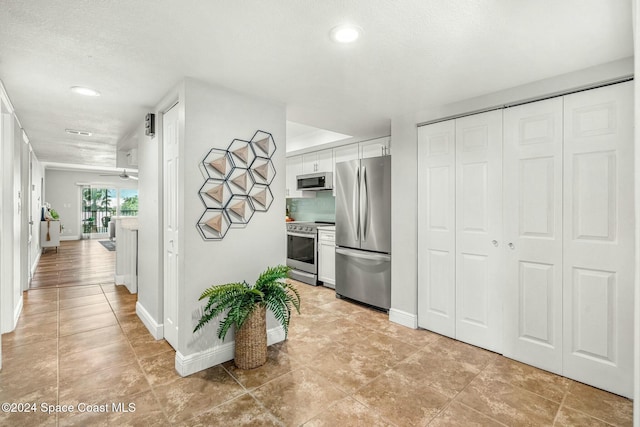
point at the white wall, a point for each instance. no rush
(636, 49)
(404, 204)
(64, 195)
(36, 205)
(7, 241)
(20, 236)
(150, 289)
(213, 117)
(10, 273)
(25, 212)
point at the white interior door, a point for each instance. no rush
(479, 267)
(533, 233)
(171, 160)
(436, 228)
(599, 238)
(29, 196)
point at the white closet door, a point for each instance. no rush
(436, 227)
(479, 267)
(172, 261)
(599, 238)
(533, 233)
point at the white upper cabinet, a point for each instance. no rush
(325, 160)
(293, 169)
(345, 153)
(375, 148)
(317, 161)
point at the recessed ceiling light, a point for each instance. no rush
(78, 132)
(346, 33)
(84, 91)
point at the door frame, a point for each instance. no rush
(173, 101)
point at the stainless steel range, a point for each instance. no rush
(302, 251)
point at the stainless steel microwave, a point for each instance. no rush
(315, 181)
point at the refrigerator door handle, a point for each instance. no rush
(365, 209)
(355, 205)
(363, 255)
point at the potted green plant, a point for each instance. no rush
(246, 307)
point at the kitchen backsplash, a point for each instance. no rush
(320, 208)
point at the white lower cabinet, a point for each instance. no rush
(561, 268)
(50, 234)
(327, 257)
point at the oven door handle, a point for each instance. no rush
(307, 236)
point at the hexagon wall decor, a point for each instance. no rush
(213, 224)
(240, 181)
(236, 184)
(263, 171)
(241, 152)
(239, 209)
(218, 163)
(261, 197)
(263, 144)
(215, 193)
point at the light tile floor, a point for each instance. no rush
(343, 365)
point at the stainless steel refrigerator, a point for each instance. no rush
(363, 230)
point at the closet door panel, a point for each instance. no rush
(533, 233)
(598, 237)
(478, 226)
(436, 228)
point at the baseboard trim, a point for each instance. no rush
(70, 238)
(403, 318)
(192, 363)
(17, 311)
(36, 261)
(156, 329)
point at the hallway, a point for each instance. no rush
(343, 364)
(79, 340)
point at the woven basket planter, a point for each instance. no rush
(251, 340)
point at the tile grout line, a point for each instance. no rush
(250, 393)
(146, 377)
(562, 405)
(564, 397)
(451, 400)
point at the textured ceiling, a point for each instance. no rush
(414, 54)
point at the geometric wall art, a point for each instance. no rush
(236, 184)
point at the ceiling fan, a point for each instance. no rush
(123, 175)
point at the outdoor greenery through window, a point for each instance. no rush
(99, 205)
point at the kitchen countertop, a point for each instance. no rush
(327, 227)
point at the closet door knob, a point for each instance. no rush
(512, 246)
(494, 243)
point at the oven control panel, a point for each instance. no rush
(301, 228)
